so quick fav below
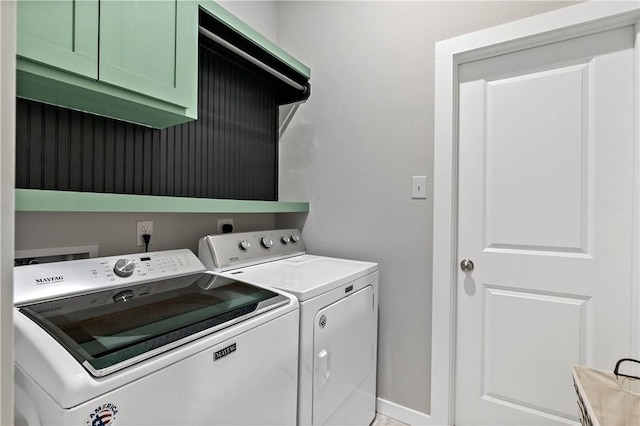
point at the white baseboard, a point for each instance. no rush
(402, 414)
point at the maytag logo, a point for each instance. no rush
(224, 352)
(49, 280)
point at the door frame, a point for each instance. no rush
(7, 181)
(561, 24)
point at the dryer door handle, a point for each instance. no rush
(323, 368)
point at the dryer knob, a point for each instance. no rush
(124, 267)
(285, 240)
(244, 245)
(295, 239)
(266, 242)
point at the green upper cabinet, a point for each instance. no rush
(133, 60)
(61, 34)
(144, 43)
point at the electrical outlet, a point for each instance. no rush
(143, 227)
(222, 222)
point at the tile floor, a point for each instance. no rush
(381, 420)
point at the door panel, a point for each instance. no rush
(546, 189)
(343, 349)
(554, 136)
(60, 33)
(166, 31)
(514, 330)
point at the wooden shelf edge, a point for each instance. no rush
(68, 201)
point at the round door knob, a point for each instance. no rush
(466, 265)
(245, 245)
(124, 267)
(266, 242)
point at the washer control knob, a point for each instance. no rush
(285, 240)
(123, 296)
(244, 245)
(266, 242)
(295, 239)
(124, 268)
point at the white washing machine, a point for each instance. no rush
(151, 339)
(338, 317)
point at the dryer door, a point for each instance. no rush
(344, 339)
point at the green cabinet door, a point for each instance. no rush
(60, 33)
(150, 47)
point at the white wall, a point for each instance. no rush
(7, 167)
(352, 149)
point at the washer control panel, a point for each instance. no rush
(230, 251)
(48, 281)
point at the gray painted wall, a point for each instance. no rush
(115, 233)
(352, 149)
(262, 16)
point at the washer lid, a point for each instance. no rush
(106, 332)
(304, 276)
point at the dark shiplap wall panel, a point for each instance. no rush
(229, 152)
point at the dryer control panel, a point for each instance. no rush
(230, 251)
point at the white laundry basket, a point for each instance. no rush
(607, 398)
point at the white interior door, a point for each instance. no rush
(546, 193)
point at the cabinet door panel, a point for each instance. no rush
(60, 33)
(140, 49)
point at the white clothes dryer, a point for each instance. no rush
(338, 317)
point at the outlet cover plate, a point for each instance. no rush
(222, 222)
(143, 227)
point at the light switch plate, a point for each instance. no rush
(419, 188)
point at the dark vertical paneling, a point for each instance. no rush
(63, 153)
(147, 162)
(156, 176)
(229, 152)
(129, 159)
(138, 160)
(22, 142)
(87, 152)
(99, 159)
(173, 161)
(163, 166)
(119, 166)
(185, 187)
(75, 155)
(36, 139)
(109, 157)
(49, 151)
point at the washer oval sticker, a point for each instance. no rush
(103, 415)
